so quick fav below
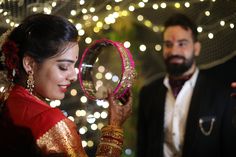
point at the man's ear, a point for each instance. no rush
(28, 63)
(197, 48)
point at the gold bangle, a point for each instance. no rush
(113, 135)
(111, 142)
(111, 145)
(114, 141)
(108, 150)
(112, 128)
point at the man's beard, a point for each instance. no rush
(178, 69)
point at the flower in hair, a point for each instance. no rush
(10, 50)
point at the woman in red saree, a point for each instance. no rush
(40, 55)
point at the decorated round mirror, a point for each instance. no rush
(106, 64)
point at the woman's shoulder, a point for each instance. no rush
(21, 102)
(27, 110)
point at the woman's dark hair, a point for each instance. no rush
(183, 21)
(41, 36)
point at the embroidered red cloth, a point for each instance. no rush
(27, 111)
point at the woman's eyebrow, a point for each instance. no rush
(65, 60)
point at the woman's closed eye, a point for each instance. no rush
(63, 67)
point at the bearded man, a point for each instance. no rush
(186, 113)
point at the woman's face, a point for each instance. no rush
(54, 75)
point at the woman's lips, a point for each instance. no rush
(63, 88)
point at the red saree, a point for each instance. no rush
(52, 131)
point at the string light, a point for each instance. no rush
(231, 25)
(115, 78)
(54, 4)
(83, 130)
(207, 13)
(73, 12)
(95, 18)
(34, 9)
(210, 35)
(155, 6)
(199, 29)
(100, 126)
(83, 99)
(127, 44)
(158, 47)
(92, 9)
(128, 151)
(5, 13)
(187, 4)
(222, 23)
(131, 8)
(84, 143)
(155, 28)
(99, 76)
(177, 5)
(142, 47)
(163, 5)
(90, 143)
(140, 17)
(88, 40)
(108, 75)
(101, 69)
(141, 4)
(91, 119)
(71, 118)
(81, 32)
(55, 103)
(82, 2)
(7, 20)
(80, 113)
(97, 115)
(104, 115)
(94, 127)
(148, 23)
(105, 104)
(73, 92)
(108, 7)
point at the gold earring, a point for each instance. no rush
(30, 82)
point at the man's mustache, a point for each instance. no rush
(169, 58)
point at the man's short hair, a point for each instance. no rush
(182, 20)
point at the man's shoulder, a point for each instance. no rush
(213, 81)
(154, 81)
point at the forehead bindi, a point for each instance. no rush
(173, 38)
(170, 35)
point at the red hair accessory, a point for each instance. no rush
(11, 59)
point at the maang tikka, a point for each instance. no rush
(30, 82)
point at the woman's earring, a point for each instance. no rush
(30, 82)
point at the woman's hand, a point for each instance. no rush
(119, 110)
